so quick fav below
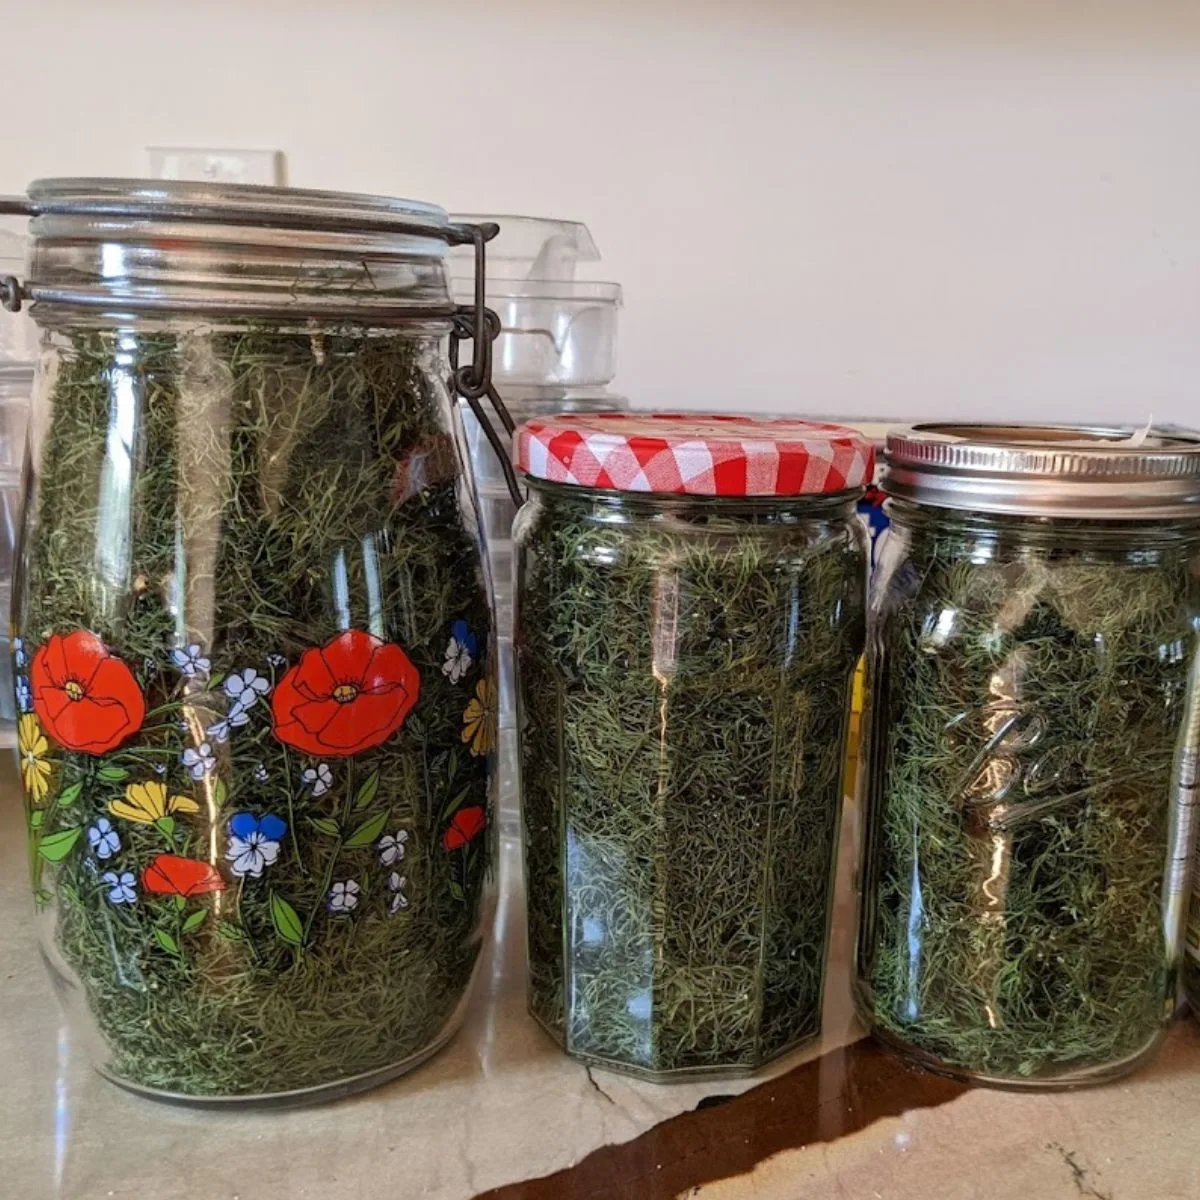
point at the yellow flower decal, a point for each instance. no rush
(479, 719)
(35, 767)
(146, 803)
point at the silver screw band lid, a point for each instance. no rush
(1075, 471)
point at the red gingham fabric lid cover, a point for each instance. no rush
(698, 454)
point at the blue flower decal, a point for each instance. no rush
(122, 889)
(461, 651)
(253, 842)
(24, 694)
(103, 838)
(18, 649)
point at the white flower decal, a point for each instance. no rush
(319, 778)
(191, 661)
(244, 689)
(343, 897)
(396, 885)
(24, 694)
(122, 889)
(199, 761)
(460, 651)
(391, 847)
(253, 843)
(103, 838)
(219, 731)
(18, 649)
(261, 774)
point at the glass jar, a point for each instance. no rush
(252, 665)
(1035, 723)
(686, 639)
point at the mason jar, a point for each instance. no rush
(690, 610)
(1035, 724)
(251, 665)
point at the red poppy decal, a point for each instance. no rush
(347, 696)
(87, 699)
(465, 826)
(170, 875)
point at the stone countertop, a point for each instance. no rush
(502, 1112)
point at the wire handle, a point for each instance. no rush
(474, 381)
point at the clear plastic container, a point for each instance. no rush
(685, 665)
(1035, 727)
(257, 707)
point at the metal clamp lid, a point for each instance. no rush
(1084, 472)
(350, 233)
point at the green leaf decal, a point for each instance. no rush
(366, 793)
(36, 818)
(167, 942)
(230, 932)
(286, 921)
(220, 792)
(367, 832)
(69, 795)
(456, 803)
(195, 920)
(112, 774)
(165, 825)
(456, 891)
(325, 825)
(58, 845)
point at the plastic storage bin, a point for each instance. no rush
(691, 595)
(1034, 731)
(256, 776)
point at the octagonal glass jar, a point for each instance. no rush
(690, 610)
(252, 664)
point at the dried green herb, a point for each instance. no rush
(213, 505)
(1030, 685)
(685, 671)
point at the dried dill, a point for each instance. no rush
(245, 911)
(1030, 696)
(685, 669)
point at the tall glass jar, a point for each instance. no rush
(1035, 728)
(686, 637)
(251, 666)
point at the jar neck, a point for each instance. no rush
(615, 506)
(1063, 532)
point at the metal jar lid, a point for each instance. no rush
(145, 246)
(1046, 470)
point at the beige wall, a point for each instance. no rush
(910, 210)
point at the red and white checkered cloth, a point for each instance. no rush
(698, 454)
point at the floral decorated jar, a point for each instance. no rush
(690, 610)
(255, 708)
